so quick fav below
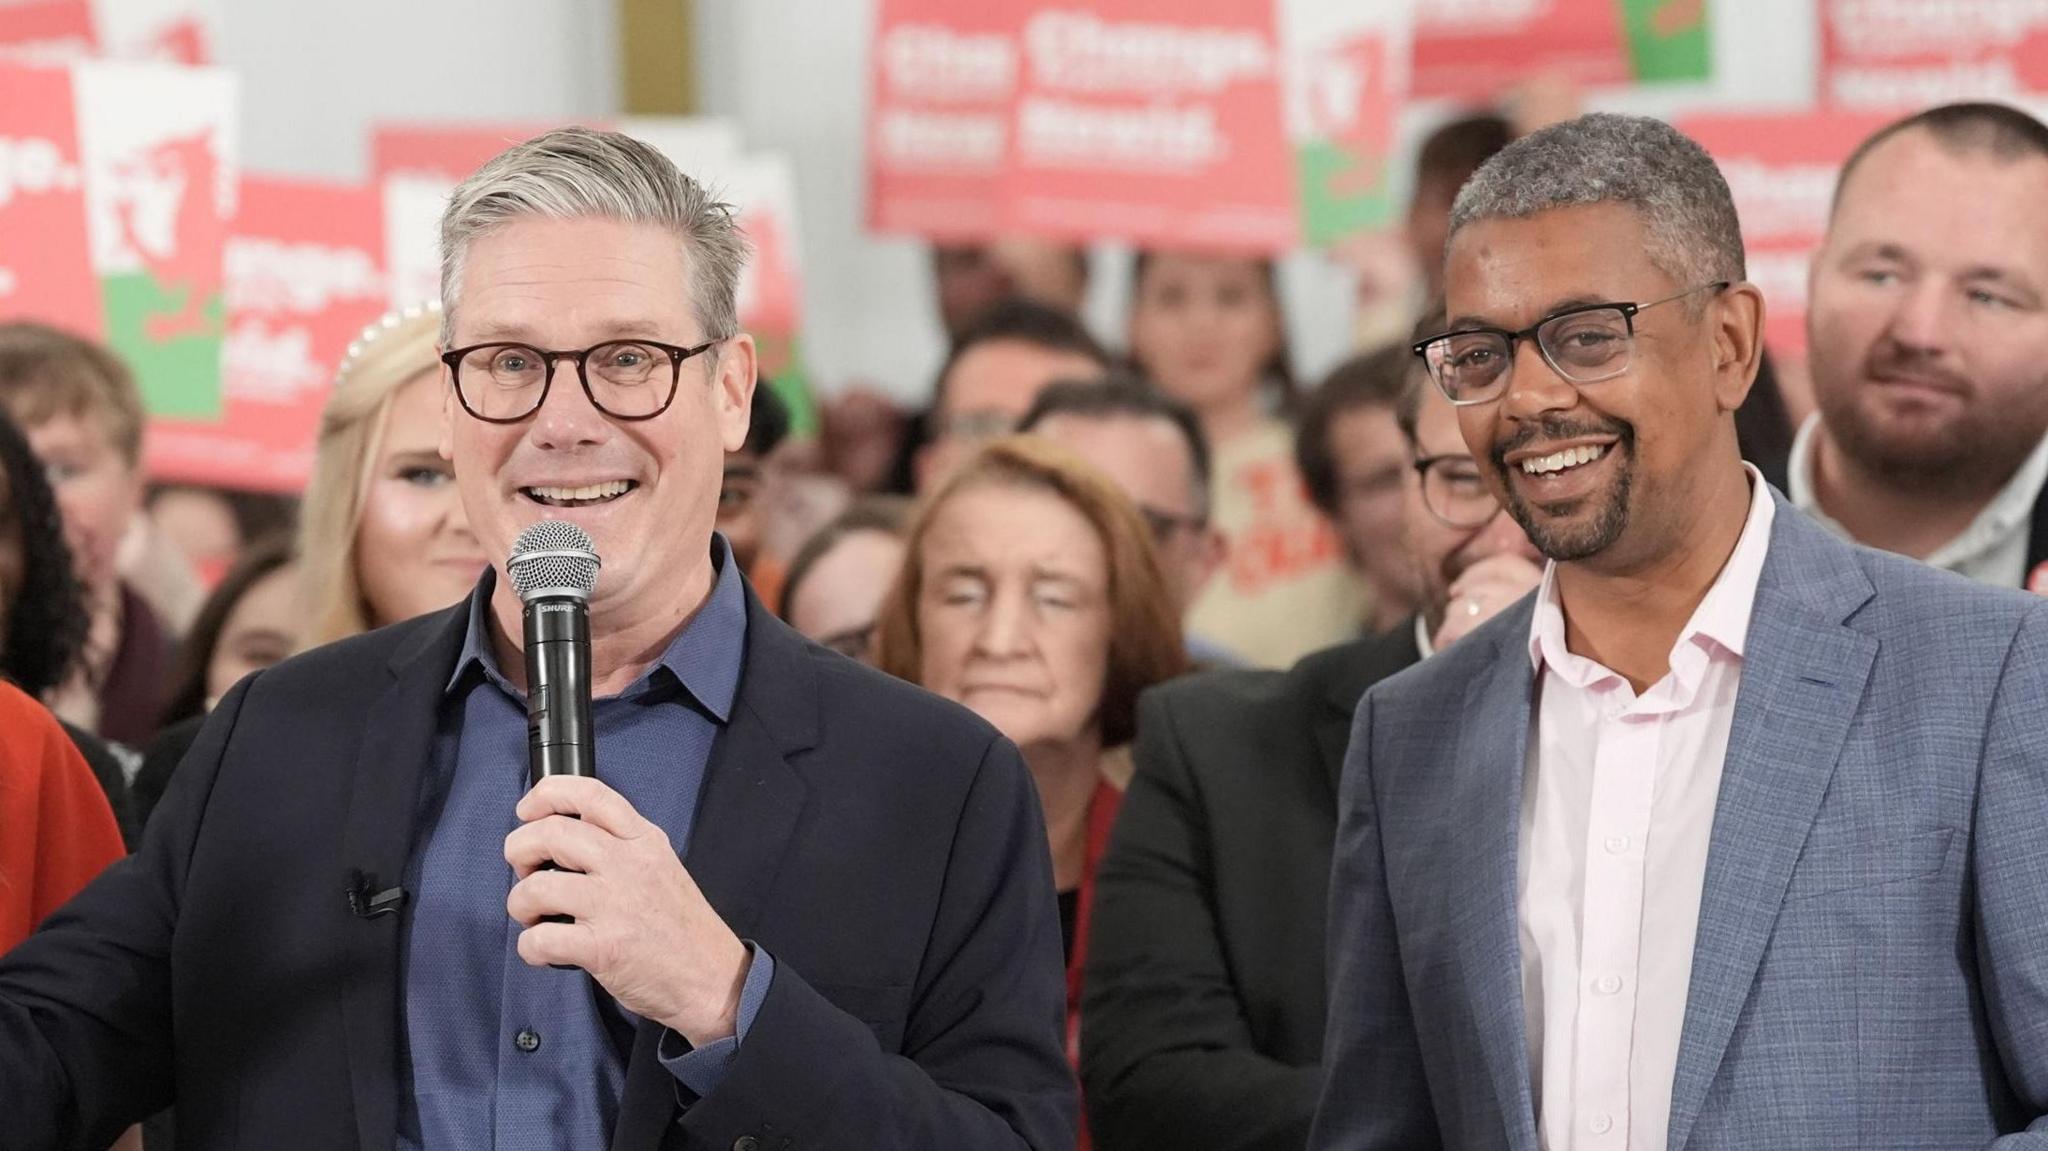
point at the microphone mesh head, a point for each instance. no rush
(553, 555)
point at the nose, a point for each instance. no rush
(567, 419)
(1921, 322)
(1534, 387)
(1005, 629)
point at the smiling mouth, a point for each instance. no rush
(589, 495)
(1561, 461)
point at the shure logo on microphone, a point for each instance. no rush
(547, 607)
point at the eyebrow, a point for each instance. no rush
(1038, 574)
(1469, 320)
(268, 634)
(417, 456)
(522, 333)
(1898, 253)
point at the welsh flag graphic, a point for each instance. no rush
(116, 182)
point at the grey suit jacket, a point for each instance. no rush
(1871, 969)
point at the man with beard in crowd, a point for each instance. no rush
(1929, 336)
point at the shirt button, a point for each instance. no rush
(528, 1040)
(1607, 984)
(1616, 844)
(1600, 1124)
(746, 1143)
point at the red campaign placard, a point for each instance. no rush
(304, 275)
(46, 268)
(1781, 171)
(47, 30)
(1471, 49)
(1156, 122)
(940, 115)
(1902, 55)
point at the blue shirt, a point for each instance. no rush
(498, 1053)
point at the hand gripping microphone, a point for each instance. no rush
(554, 567)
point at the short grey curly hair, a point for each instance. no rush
(1600, 158)
(578, 173)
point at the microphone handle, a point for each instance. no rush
(559, 736)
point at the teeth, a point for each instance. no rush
(602, 491)
(1560, 460)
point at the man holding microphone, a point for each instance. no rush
(801, 905)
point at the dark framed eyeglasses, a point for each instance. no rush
(1454, 490)
(1584, 344)
(504, 383)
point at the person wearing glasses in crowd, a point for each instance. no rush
(1355, 463)
(1678, 852)
(837, 581)
(1928, 338)
(992, 374)
(1207, 329)
(806, 903)
(1204, 991)
(1151, 445)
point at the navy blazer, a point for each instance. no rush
(884, 845)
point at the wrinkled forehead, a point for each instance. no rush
(1937, 201)
(586, 278)
(1512, 271)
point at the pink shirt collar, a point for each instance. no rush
(1719, 626)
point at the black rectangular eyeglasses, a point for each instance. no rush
(1584, 344)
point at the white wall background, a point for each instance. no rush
(315, 76)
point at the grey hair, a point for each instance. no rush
(581, 173)
(1600, 158)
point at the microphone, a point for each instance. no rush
(554, 566)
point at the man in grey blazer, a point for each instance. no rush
(1734, 835)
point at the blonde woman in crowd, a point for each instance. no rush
(1207, 329)
(382, 534)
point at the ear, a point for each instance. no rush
(737, 364)
(445, 448)
(1737, 316)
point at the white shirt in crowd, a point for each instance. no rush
(1618, 803)
(1992, 550)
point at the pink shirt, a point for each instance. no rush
(1617, 807)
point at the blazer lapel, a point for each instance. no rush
(1802, 677)
(750, 806)
(1370, 662)
(383, 807)
(1480, 889)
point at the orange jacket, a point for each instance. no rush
(56, 830)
